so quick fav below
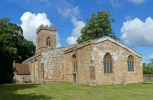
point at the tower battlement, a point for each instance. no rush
(42, 27)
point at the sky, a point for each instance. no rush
(133, 19)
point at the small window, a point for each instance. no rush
(74, 63)
(107, 63)
(48, 42)
(130, 63)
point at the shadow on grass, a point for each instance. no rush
(8, 92)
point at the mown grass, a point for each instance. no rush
(67, 91)
(148, 82)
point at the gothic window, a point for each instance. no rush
(48, 42)
(130, 63)
(74, 63)
(108, 63)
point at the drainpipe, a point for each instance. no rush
(77, 65)
(33, 70)
(43, 73)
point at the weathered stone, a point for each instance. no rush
(53, 64)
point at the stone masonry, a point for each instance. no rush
(51, 64)
(90, 58)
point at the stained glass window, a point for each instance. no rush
(130, 63)
(74, 66)
(132, 66)
(104, 66)
(107, 64)
(110, 66)
(74, 62)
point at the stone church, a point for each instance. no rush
(95, 62)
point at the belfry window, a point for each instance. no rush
(130, 62)
(74, 63)
(108, 63)
(48, 42)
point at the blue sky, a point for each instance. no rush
(133, 19)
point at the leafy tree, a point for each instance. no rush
(148, 69)
(151, 63)
(97, 26)
(13, 46)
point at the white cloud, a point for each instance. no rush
(127, 17)
(137, 1)
(30, 22)
(67, 12)
(116, 3)
(41, 5)
(144, 58)
(71, 40)
(151, 56)
(135, 32)
(73, 13)
(76, 32)
(58, 44)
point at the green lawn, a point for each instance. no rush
(67, 91)
(148, 82)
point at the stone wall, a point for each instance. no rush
(41, 40)
(36, 71)
(148, 78)
(68, 69)
(120, 67)
(84, 57)
(19, 78)
(53, 64)
(83, 60)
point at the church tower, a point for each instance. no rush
(46, 38)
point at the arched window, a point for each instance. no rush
(74, 63)
(48, 42)
(108, 63)
(130, 63)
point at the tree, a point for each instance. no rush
(151, 62)
(148, 69)
(97, 26)
(13, 46)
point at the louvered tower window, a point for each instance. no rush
(48, 42)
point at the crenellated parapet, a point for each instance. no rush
(42, 27)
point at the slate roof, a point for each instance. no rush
(22, 69)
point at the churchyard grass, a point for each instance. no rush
(148, 82)
(67, 91)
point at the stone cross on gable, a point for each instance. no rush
(113, 81)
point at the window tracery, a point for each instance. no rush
(108, 63)
(130, 63)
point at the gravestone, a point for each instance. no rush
(124, 81)
(113, 81)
